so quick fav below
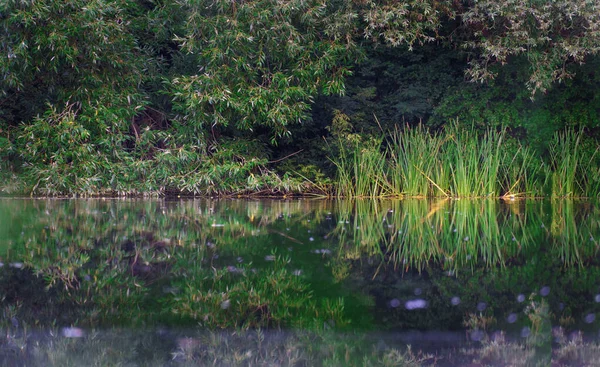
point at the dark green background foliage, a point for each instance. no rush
(209, 97)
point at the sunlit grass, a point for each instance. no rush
(566, 161)
(462, 162)
(362, 170)
(414, 160)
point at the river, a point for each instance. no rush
(299, 282)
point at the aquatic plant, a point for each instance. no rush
(566, 161)
(414, 160)
(462, 162)
(361, 169)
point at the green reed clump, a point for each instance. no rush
(369, 171)
(463, 162)
(362, 169)
(474, 161)
(522, 172)
(415, 162)
(566, 160)
(456, 162)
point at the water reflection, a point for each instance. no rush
(511, 275)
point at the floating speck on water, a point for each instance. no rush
(597, 298)
(72, 332)
(520, 298)
(311, 239)
(418, 291)
(481, 306)
(171, 290)
(297, 272)
(589, 318)
(415, 304)
(270, 258)
(455, 301)
(394, 303)
(16, 265)
(512, 318)
(477, 335)
(225, 304)
(545, 291)
(525, 332)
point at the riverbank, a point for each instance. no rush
(454, 162)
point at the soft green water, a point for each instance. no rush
(307, 282)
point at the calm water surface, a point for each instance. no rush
(306, 282)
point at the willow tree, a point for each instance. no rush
(77, 75)
(552, 35)
(262, 62)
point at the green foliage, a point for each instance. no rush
(522, 172)
(152, 93)
(361, 169)
(550, 34)
(571, 176)
(394, 85)
(505, 102)
(414, 162)
(68, 52)
(247, 78)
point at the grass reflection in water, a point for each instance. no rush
(489, 270)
